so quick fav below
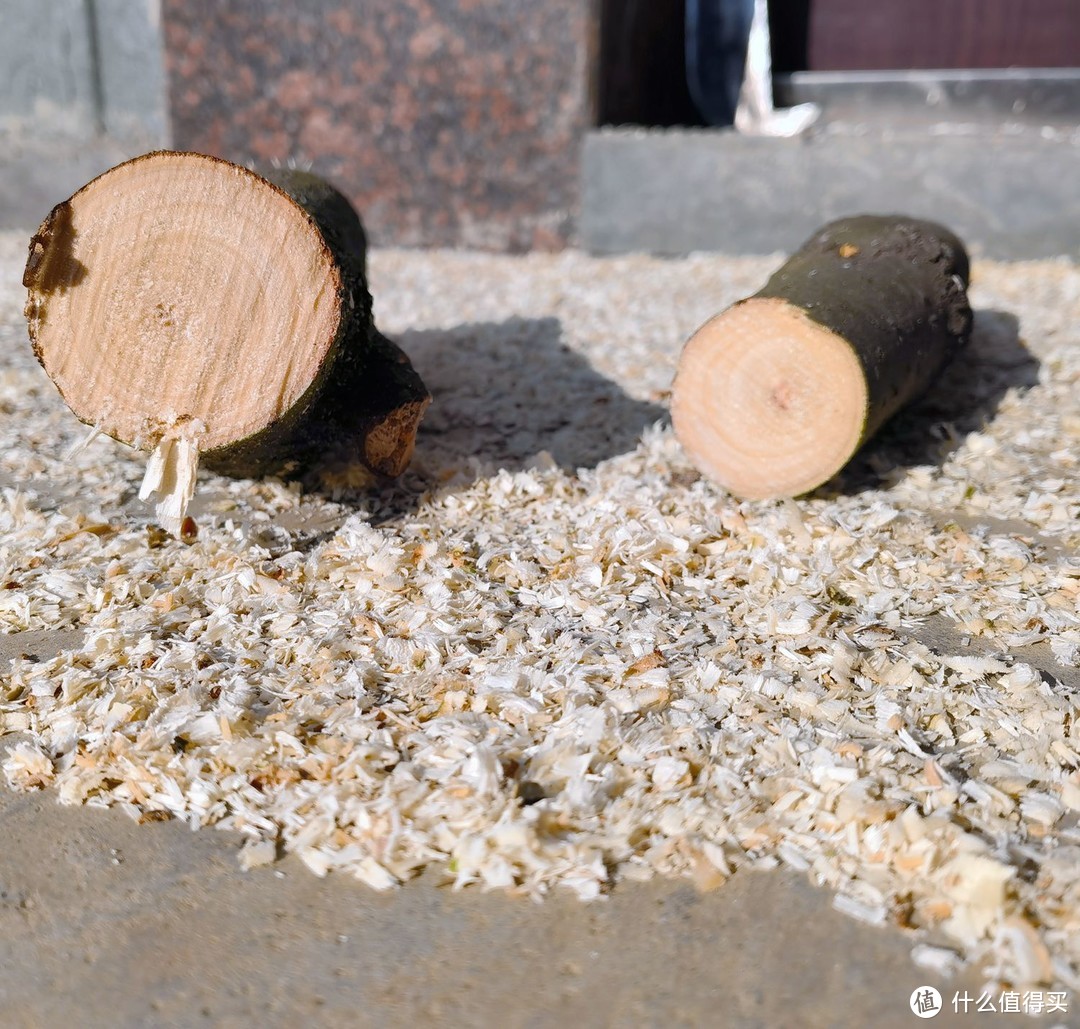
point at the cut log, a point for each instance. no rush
(193, 308)
(774, 395)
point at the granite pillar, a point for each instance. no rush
(447, 122)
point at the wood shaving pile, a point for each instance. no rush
(554, 656)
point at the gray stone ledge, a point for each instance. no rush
(1010, 196)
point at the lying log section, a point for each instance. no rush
(774, 395)
(195, 309)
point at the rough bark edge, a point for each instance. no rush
(370, 407)
(370, 412)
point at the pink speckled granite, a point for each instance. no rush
(447, 122)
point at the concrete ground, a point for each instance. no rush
(138, 925)
(155, 925)
(116, 924)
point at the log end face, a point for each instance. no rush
(180, 289)
(768, 403)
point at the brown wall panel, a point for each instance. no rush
(447, 121)
(849, 35)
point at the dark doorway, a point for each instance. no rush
(896, 35)
(678, 62)
(642, 78)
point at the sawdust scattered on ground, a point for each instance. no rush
(554, 657)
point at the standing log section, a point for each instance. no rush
(774, 395)
(193, 308)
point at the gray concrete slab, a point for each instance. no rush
(82, 87)
(105, 922)
(1007, 194)
(131, 70)
(152, 924)
(47, 74)
(74, 69)
(36, 176)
